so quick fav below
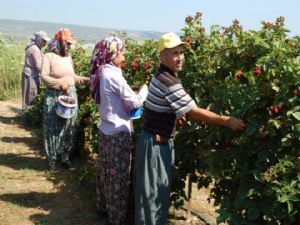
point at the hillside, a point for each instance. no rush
(24, 29)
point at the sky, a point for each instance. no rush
(154, 15)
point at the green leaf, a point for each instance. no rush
(286, 141)
(290, 207)
(296, 115)
(297, 127)
(276, 123)
(251, 128)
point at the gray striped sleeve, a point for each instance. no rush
(180, 101)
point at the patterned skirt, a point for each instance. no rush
(59, 133)
(113, 176)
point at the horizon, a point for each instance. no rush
(155, 15)
(85, 26)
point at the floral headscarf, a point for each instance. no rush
(104, 52)
(54, 46)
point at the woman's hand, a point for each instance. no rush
(64, 86)
(84, 80)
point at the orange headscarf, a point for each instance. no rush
(65, 35)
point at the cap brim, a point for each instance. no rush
(184, 44)
(46, 39)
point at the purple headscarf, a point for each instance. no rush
(104, 52)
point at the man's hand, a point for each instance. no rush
(181, 121)
(212, 118)
(236, 124)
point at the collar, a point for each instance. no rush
(162, 68)
(113, 67)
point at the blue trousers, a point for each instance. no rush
(152, 180)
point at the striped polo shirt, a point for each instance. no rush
(166, 101)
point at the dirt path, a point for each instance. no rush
(29, 194)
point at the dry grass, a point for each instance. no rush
(29, 194)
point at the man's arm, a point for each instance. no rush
(212, 118)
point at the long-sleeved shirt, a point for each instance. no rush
(33, 60)
(117, 98)
(56, 69)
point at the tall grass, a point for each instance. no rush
(11, 64)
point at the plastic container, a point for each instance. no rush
(66, 106)
(136, 113)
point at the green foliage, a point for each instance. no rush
(11, 59)
(253, 75)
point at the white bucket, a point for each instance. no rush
(66, 106)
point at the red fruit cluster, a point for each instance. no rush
(238, 74)
(296, 92)
(236, 22)
(267, 25)
(226, 30)
(188, 19)
(147, 65)
(224, 145)
(188, 39)
(257, 70)
(201, 30)
(275, 109)
(134, 65)
(198, 15)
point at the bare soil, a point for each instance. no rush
(29, 194)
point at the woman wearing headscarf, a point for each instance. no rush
(115, 99)
(32, 68)
(59, 76)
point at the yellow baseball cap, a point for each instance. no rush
(170, 40)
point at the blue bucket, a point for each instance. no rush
(136, 113)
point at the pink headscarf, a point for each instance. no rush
(104, 52)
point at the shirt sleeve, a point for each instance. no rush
(45, 73)
(130, 99)
(180, 101)
(37, 58)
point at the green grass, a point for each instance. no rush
(11, 64)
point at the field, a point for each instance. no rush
(252, 176)
(11, 60)
(30, 195)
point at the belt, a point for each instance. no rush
(160, 139)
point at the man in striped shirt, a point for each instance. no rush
(166, 102)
